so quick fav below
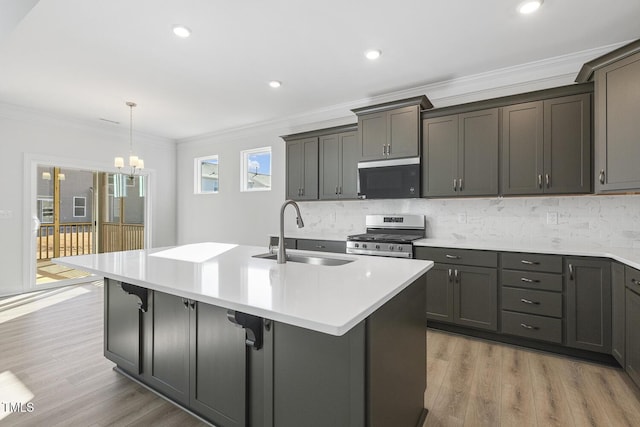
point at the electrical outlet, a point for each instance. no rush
(4, 214)
(462, 218)
(552, 218)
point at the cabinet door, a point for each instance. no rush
(567, 144)
(350, 153)
(372, 136)
(632, 337)
(588, 304)
(440, 156)
(122, 327)
(218, 366)
(617, 312)
(330, 158)
(478, 153)
(295, 165)
(440, 293)
(166, 348)
(403, 127)
(475, 297)
(310, 170)
(617, 127)
(522, 148)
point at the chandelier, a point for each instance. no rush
(135, 163)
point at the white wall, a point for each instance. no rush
(27, 134)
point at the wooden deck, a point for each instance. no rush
(48, 272)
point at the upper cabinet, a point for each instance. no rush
(390, 130)
(302, 169)
(617, 109)
(546, 146)
(460, 154)
(339, 155)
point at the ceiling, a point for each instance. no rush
(83, 59)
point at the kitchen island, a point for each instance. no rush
(240, 340)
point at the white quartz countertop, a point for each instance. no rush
(628, 256)
(328, 299)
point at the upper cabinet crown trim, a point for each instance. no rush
(320, 132)
(588, 69)
(421, 100)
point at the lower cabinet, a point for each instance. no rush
(632, 314)
(465, 295)
(618, 312)
(195, 356)
(588, 284)
(122, 327)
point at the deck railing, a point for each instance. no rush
(75, 239)
(122, 237)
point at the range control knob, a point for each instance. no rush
(377, 246)
(364, 246)
(400, 248)
(391, 247)
(357, 245)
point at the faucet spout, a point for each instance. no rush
(282, 254)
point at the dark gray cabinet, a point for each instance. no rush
(632, 315)
(122, 327)
(588, 283)
(334, 246)
(302, 169)
(195, 356)
(618, 312)
(617, 128)
(460, 154)
(339, 154)
(546, 146)
(464, 289)
(390, 130)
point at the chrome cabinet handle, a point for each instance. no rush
(570, 271)
(320, 246)
(336, 189)
(456, 278)
(384, 150)
(547, 179)
(452, 256)
(634, 281)
(527, 280)
(450, 275)
(192, 304)
(524, 325)
(601, 178)
(340, 189)
(455, 184)
(460, 184)
(526, 262)
(539, 180)
(527, 301)
(388, 149)
(302, 192)
(185, 302)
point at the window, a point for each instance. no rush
(45, 210)
(255, 169)
(206, 175)
(79, 207)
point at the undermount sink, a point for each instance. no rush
(315, 260)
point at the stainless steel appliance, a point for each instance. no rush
(388, 235)
(389, 179)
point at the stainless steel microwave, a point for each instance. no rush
(389, 179)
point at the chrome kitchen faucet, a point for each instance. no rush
(282, 254)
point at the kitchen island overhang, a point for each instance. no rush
(350, 337)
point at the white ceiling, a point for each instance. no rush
(84, 58)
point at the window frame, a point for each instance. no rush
(244, 168)
(197, 171)
(75, 206)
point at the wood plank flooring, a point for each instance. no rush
(51, 356)
(473, 383)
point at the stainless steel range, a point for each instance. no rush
(388, 235)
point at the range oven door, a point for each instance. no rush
(389, 179)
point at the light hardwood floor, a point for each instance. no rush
(51, 348)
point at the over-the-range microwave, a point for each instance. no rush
(389, 179)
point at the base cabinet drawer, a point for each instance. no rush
(532, 262)
(532, 280)
(532, 326)
(532, 302)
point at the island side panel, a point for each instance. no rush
(122, 327)
(318, 379)
(397, 359)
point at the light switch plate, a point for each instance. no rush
(552, 218)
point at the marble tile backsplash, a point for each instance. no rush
(597, 220)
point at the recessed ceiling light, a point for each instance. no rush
(275, 83)
(181, 31)
(373, 54)
(529, 6)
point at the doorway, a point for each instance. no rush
(82, 212)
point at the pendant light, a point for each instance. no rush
(135, 163)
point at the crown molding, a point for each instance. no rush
(537, 75)
(39, 117)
